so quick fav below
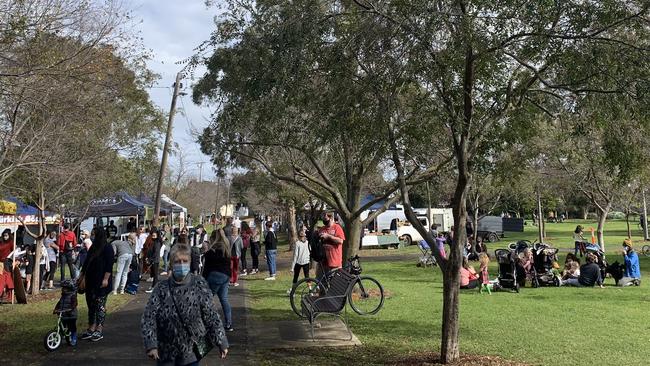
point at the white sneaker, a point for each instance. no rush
(243, 274)
(121, 292)
(114, 292)
(149, 291)
(272, 278)
(236, 284)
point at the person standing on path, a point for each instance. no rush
(333, 237)
(300, 258)
(96, 280)
(153, 258)
(179, 313)
(217, 271)
(141, 236)
(66, 242)
(246, 243)
(271, 248)
(124, 251)
(255, 247)
(236, 247)
(50, 245)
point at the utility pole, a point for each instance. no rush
(163, 161)
(200, 171)
(216, 203)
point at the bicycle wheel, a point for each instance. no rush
(646, 250)
(52, 340)
(305, 287)
(367, 296)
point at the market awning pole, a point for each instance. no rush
(13, 264)
(165, 152)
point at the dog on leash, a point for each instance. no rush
(616, 270)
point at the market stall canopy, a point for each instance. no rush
(164, 208)
(174, 206)
(22, 211)
(119, 204)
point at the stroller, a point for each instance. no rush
(544, 258)
(426, 257)
(509, 274)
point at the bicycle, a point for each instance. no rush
(646, 250)
(54, 338)
(365, 298)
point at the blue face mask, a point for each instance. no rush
(180, 270)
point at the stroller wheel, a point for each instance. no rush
(52, 340)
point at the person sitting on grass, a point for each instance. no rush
(468, 276)
(589, 274)
(632, 269)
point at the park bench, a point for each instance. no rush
(331, 302)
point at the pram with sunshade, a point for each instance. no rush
(426, 256)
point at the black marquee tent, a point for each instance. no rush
(119, 204)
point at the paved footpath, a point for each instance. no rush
(122, 343)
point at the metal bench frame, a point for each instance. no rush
(332, 302)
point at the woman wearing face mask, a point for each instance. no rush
(217, 271)
(632, 269)
(180, 313)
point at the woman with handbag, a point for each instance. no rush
(180, 324)
(96, 280)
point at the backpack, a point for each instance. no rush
(316, 249)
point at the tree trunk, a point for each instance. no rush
(627, 222)
(352, 237)
(449, 348)
(36, 273)
(645, 218)
(540, 215)
(293, 229)
(585, 213)
(602, 218)
(475, 226)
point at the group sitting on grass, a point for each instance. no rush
(588, 274)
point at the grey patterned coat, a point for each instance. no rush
(162, 328)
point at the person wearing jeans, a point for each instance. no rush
(66, 242)
(124, 251)
(271, 247)
(217, 271)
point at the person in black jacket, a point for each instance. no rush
(217, 271)
(153, 258)
(589, 274)
(271, 247)
(96, 280)
(67, 306)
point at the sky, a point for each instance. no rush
(172, 29)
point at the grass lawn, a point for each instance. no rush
(545, 326)
(23, 327)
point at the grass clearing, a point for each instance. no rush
(24, 326)
(544, 326)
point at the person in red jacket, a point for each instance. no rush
(6, 247)
(66, 242)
